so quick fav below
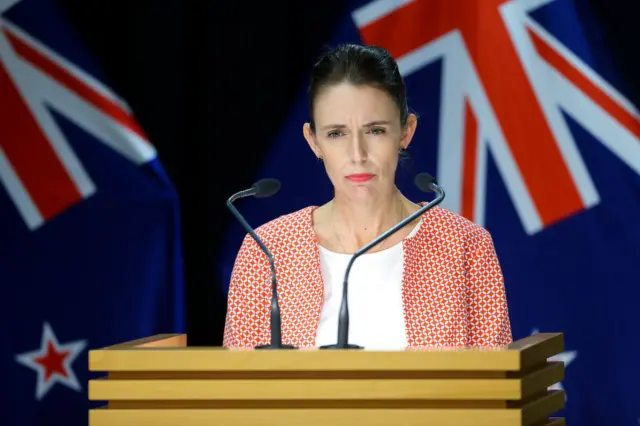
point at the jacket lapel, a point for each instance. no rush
(302, 285)
(430, 286)
(413, 292)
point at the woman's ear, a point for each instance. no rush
(311, 139)
(408, 131)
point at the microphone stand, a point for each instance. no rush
(276, 327)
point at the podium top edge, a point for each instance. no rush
(168, 341)
(170, 353)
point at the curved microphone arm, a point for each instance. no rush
(276, 331)
(247, 227)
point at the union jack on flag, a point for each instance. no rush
(506, 82)
(532, 135)
(38, 167)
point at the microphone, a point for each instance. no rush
(264, 188)
(426, 183)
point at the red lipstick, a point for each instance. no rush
(360, 177)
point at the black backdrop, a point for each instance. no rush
(211, 82)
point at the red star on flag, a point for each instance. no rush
(52, 361)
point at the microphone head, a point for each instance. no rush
(425, 182)
(266, 188)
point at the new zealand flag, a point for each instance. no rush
(532, 135)
(90, 249)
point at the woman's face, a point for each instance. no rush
(358, 135)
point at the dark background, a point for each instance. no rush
(211, 83)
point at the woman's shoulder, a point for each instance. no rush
(289, 230)
(446, 223)
(299, 223)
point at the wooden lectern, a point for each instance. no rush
(160, 381)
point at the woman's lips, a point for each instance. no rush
(360, 177)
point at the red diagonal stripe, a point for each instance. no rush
(510, 93)
(69, 81)
(571, 73)
(31, 155)
(412, 25)
(470, 157)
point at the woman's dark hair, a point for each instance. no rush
(359, 65)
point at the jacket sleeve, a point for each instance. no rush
(246, 323)
(487, 311)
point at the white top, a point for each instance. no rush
(376, 318)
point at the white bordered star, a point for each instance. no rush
(52, 361)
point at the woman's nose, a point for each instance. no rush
(358, 148)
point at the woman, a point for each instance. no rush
(437, 282)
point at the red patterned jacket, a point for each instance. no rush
(453, 289)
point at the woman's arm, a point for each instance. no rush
(245, 324)
(487, 312)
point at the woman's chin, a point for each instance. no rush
(362, 193)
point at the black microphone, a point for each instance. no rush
(426, 183)
(263, 189)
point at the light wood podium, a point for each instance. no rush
(160, 381)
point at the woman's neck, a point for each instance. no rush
(356, 224)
